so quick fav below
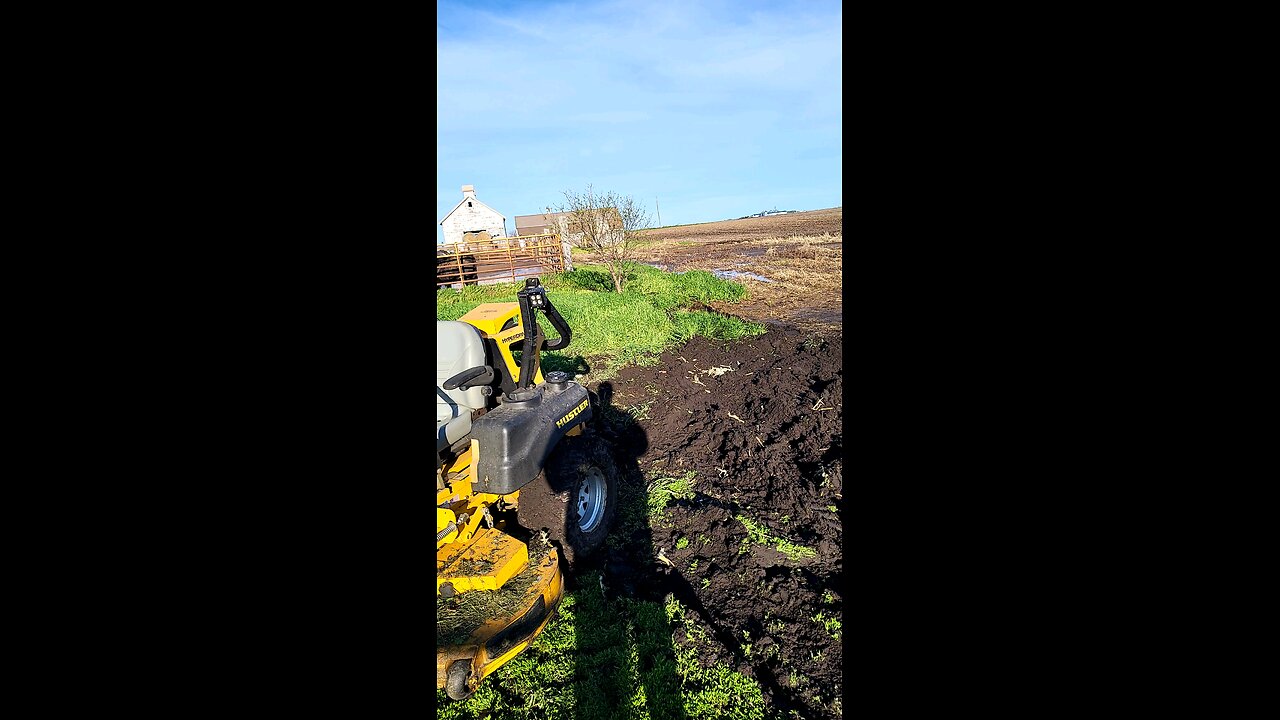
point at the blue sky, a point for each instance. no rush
(716, 109)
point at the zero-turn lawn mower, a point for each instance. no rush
(521, 480)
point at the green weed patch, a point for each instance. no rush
(657, 310)
(663, 490)
(710, 692)
(761, 535)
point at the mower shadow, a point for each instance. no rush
(631, 596)
(572, 364)
(623, 636)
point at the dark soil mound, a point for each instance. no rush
(755, 549)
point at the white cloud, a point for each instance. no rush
(613, 62)
(640, 97)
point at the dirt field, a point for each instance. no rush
(791, 263)
(756, 551)
(811, 222)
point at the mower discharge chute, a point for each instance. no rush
(511, 445)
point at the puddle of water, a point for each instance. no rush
(731, 274)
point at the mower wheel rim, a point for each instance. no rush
(592, 496)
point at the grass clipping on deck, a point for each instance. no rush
(459, 617)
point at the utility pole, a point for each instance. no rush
(655, 205)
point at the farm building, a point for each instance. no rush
(470, 215)
(537, 224)
(561, 223)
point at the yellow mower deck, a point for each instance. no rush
(487, 563)
(516, 613)
(491, 600)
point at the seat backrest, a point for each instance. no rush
(458, 347)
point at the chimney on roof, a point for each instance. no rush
(469, 191)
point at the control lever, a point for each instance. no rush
(468, 379)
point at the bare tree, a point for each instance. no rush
(604, 224)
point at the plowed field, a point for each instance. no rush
(754, 550)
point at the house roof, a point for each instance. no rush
(474, 199)
(550, 218)
(538, 220)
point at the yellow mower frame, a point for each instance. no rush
(475, 554)
(461, 550)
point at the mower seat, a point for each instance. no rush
(458, 347)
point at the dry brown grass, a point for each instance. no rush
(802, 263)
(800, 254)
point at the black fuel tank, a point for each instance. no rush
(517, 436)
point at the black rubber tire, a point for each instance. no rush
(548, 503)
(456, 683)
(595, 408)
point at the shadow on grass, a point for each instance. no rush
(688, 686)
(626, 665)
(552, 361)
(574, 365)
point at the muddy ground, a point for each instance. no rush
(759, 422)
(790, 263)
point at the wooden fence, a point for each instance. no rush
(499, 260)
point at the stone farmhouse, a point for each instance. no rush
(472, 216)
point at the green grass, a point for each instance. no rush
(663, 490)
(714, 692)
(830, 623)
(657, 310)
(761, 535)
(604, 659)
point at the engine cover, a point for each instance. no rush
(516, 437)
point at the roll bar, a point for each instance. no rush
(534, 297)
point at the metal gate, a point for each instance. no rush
(499, 260)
